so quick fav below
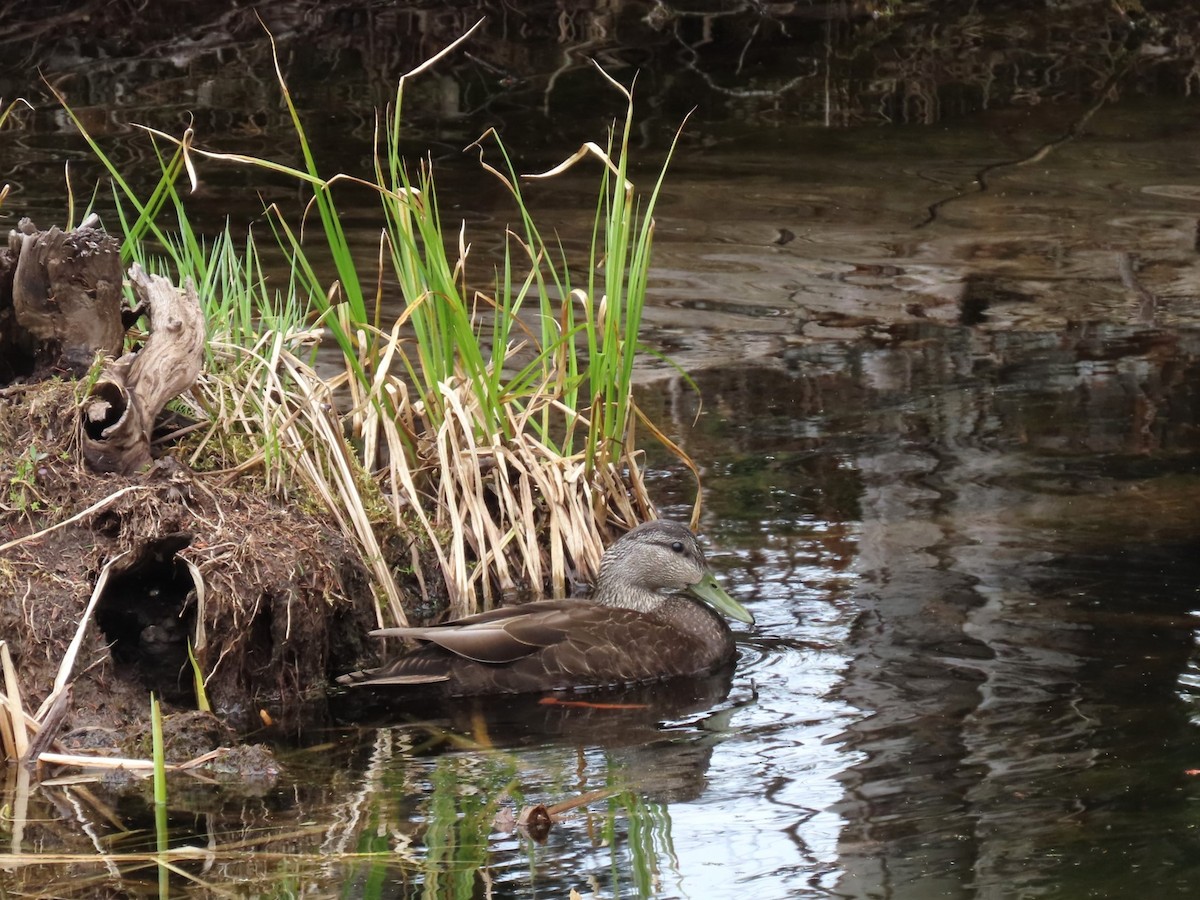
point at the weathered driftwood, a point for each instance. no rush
(119, 412)
(65, 299)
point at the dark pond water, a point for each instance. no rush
(947, 416)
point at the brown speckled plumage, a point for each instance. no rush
(647, 619)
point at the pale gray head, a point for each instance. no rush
(654, 561)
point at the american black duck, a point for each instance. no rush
(653, 614)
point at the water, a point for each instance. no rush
(951, 465)
(973, 673)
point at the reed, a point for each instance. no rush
(494, 425)
(6, 112)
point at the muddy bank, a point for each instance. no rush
(283, 602)
(122, 571)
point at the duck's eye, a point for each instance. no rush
(677, 546)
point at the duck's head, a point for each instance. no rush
(657, 559)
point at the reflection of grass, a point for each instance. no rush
(466, 792)
(649, 839)
(438, 822)
(405, 827)
(440, 840)
(460, 819)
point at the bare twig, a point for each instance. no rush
(68, 662)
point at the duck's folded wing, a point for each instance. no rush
(496, 637)
(543, 646)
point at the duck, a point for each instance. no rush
(656, 612)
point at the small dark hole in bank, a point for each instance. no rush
(148, 613)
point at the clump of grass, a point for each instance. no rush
(496, 426)
(6, 112)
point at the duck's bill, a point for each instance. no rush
(712, 593)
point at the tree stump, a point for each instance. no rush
(119, 412)
(60, 300)
(61, 307)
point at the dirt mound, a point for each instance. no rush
(268, 594)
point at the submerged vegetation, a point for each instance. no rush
(398, 822)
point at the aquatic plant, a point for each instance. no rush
(161, 835)
(6, 111)
(495, 427)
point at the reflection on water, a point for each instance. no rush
(970, 551)
(952, 469)
(971, 557)
(1022, 569)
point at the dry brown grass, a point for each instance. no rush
(493, 517)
